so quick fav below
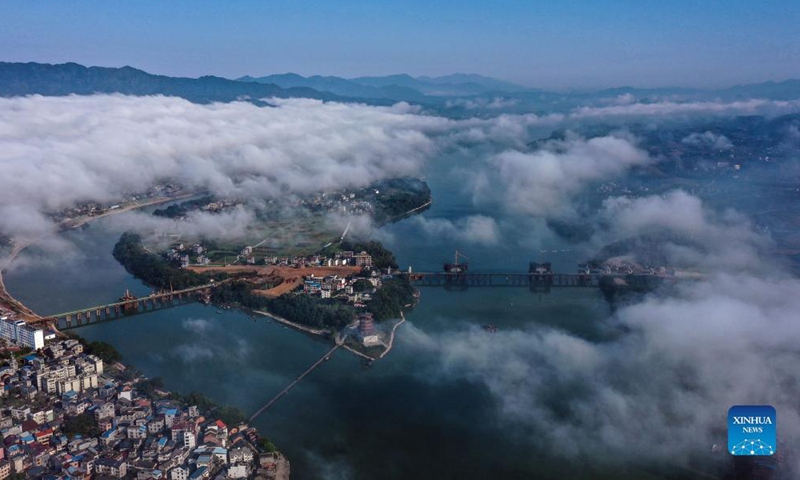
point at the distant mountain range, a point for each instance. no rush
(70, 78)
(397, 87)
(457, 94)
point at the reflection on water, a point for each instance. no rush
(395, 419)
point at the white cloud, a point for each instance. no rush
(474, 229)
(672, 108)
(709, 140)
(544, 182)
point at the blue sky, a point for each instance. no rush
(555, 44)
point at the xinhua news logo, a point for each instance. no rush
(751, 430)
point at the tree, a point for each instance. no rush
(362, 285)
(83, 424)
(266, 445)
(106, 352)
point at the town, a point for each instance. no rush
(65, 413)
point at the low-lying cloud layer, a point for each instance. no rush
(59, 151)
(682, 109)
(660, 389)
(544, 182)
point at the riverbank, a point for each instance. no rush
(391, 336)
(7, 301)
(297, 326)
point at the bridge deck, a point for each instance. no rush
(502, 279)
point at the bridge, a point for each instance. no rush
(297, 380)
(498, 279)
(126, 306)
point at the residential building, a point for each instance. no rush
(17, 331)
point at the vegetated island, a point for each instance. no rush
(339, 302)
(254, 287)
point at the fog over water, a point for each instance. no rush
(566, 387)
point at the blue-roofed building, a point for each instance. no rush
(108, 436)
(199, 473)
(70, 395)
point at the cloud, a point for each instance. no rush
(713, 241)
(230, 224)
(709, 140)
(659, 388)
(672, 108)
(191, 353)
(544, 182)
(196, 325)
(496, 103)
(474, 229)
(59, 151)
(666, 382)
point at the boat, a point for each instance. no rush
(490, 327)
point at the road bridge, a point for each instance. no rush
(502, 279)
(111, 311)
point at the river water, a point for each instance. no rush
(396, 419)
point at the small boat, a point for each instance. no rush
(490, 327)
(219, 312)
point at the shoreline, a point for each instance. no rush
(22, 309)
(391, 337)
(297, 326)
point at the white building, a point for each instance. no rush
(179, 473)
(17, 331)
(237, 471)
(189, 439)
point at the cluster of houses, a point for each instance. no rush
(184, 255)
(337, 286)
(626, 266)
(339, 259)
(340, 202)
(220, 205)
(94, 208)
(64, 417)
(196, 255)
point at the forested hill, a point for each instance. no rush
(17, 79)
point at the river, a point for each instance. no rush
(401, 417)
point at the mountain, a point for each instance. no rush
(71, 78)
(786, 90)
(340, 86)
(472, 78)
(396, 87)
(452, 85)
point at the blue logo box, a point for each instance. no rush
(752, 430)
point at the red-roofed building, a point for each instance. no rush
(43, 436)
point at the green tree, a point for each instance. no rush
(83, 424)
(106, 352)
